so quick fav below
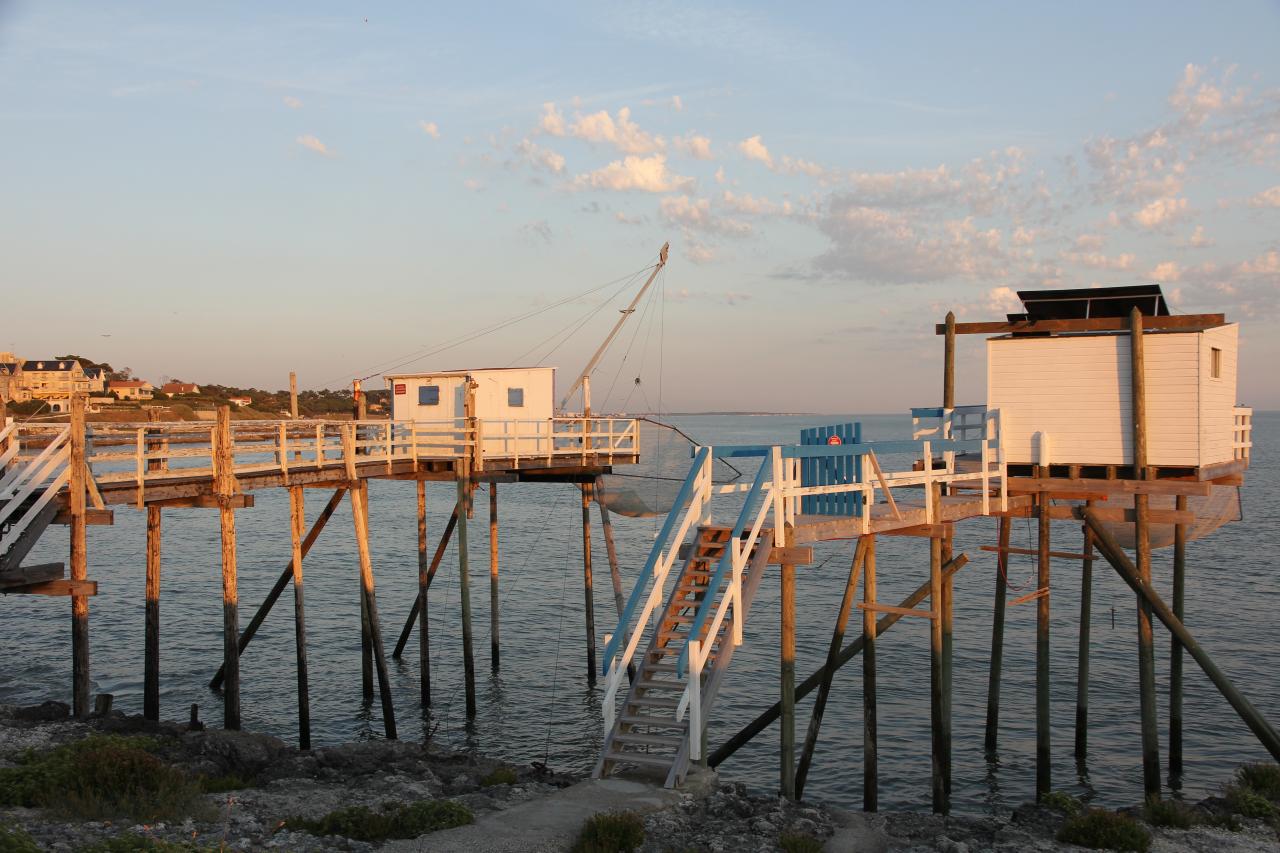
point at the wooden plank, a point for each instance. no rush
(92, 517)
(900, 611)
(1101, 488)
(1031, 552)
(932, 531)
(1180, 322)
(1222, 469)
(27, 575)
(74, 588)
(888, 493)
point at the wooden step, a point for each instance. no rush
(648, 740)
(654, 722)
(653, 702)
(655, 666)
(661, 684)
(640, 758)
(689, 617)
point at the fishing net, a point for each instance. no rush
(649, 488)
(1221, 506)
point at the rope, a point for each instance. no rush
(625, 285)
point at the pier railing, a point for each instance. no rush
(1242, 432)
(777, 490)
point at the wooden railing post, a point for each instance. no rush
(1142, 549)
(79, 561)
(225, 487)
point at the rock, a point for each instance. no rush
(45, 712)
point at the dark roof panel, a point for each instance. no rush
(1084, 302)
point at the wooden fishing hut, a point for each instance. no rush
(1078, 386)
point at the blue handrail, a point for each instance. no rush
(726, 562)
(677, 509)
(810, 451)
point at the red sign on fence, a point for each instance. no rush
(834, 440)
(400, 388)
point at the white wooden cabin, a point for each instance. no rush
(1065, 398)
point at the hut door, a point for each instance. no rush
(831, 470)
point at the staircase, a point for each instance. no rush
(29, 489)
(652, 730)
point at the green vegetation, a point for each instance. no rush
(1245, 801)
(1063, 802)
(364, 824)
(611, 832)
(500, 776)
(143, 844)
(1101, 829)
(1264, 779)
(222, 784)
(799, 842)
(101, 777)
(13, 839)
(1171, 813)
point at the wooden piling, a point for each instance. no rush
(1175, 649)
(464, 580)
(588, 590)
(870, 732)
(360, 512)
(441, 547)
(224, 488)
(1044, 757)
(828, 671)
(423, 609)
(293, 395)
(997, 634)
(79, 560)
(787, 762)
(151, 630)
(615, 569)
(1082, 665)
(1142, 548)
(948, 647)
(297, 524)
(941, 803)
(493, 576)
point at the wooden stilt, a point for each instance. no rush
(283, 581)
(225, 487)
(1082, 666)
(79, 561)
(493, 576)
(870, 722)
(1142, 548)
(615, 570)
(151, 641)
(948, 646)
(787, 761)
(360, 512)
(1044, 775)
(423, 609)
(1175, 649)
(366, 648)
(297, 523)
(441, 547)
(464, 579)
(588, 590)
(997, 634)
(828, 671)
(936, 706)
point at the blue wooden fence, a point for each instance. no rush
(831, 470)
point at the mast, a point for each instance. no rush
(626, 312)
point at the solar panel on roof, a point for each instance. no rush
(1083, 303)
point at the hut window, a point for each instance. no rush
(515, 397)
(1215, 362)
(428, 395)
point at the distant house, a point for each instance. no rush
(95, 379)
(240, 402)
(54, 381)
(173, 389)
(131, 389)
(11, 389)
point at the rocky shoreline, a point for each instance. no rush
(258, 793)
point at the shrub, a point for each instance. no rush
(14, 839)
(1245, 801)
(101, 777)
(500, 776)
(1172, 813)
(228, 782)
(611, 832)
(1101, 829)
(799, 842)
(1262, 778)
(1062, 802)
(364, 824)
(131, 843)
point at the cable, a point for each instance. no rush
(626, 284)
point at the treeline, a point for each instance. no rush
(310, 403)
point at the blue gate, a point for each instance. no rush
(831, 470)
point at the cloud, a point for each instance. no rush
(624, 219)
(677, 104)
(696, 213)
(745, 203)
(1161, 212)
(1166, 272)
(474, 185)
(797, 166)
(622, 133)
(697, 253)
(552, 121)
(753, 149)
(292, 103)
(674, 102)
(1266, 198)
(540, 158)
(720, 175)
(644, 174)
(537, 231)
(1023, 236)
(310, 142)
(1195, 99)
(1198, 239)
(1099, 261)
(429, 128)
(1090, 242)
(692, 145)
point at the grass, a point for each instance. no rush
(1101, 829)
(132, 843)
(798, 842)
(500, 776)
(1263, 779)
(611, 832)
(102, 776)
(14, 839)
(1171, 813)
(1062, 802)
(1244, 800)
(391, 821)
(228, 782)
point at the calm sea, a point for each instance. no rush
(539, 707)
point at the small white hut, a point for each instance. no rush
(501, 394)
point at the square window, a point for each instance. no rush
(515, 397)
(1215, 363)
(428, 395)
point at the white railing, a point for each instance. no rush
(41, 474)
(1242, 432)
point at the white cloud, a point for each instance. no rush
(1099, 261)
(1266, 198)
(430, 128)
(1002, 300)
(753, 149)
(645, 174)
(720, 175)
(692, 145)
(1161, 212)
(1090, 242)
(539, 157)
(622, 133)
(1166, 271)
(698, 253)
(697, 213)
(624, 219)
(797, 166)
(474, 185)
(677, 104)
(754, 206)
(1198, 239)
(552, 121)
(310, 142)
(292, 103)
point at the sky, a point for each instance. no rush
(227, 192)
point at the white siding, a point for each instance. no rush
(1218, 396)
(497, 417)
(1077, 390)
